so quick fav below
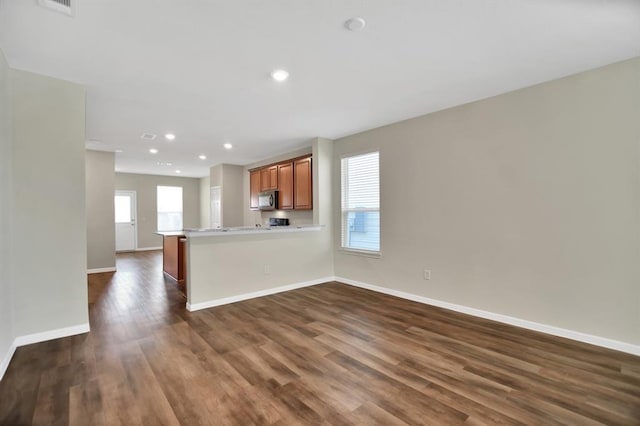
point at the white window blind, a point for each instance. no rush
(169, 208)
(360, 188)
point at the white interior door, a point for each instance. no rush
(216, 210)
(125, 205)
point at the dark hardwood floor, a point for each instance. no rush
(329, 354)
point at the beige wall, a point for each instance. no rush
(100, 188)
(232, 206)
(147, 210)
(49, 249)
(229, 266)
(229, 178)
(253, 217)
(6, 290)
(205, 201)
(525, 204)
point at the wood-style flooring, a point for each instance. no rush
(329, 354)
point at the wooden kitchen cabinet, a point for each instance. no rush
(269, 178)
(254, 188)
(285, 186)
(302, 184)
(291, 178)
(174, 261)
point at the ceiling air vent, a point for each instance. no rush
(67, 7)
(148, 136)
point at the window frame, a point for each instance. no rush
(345, 212)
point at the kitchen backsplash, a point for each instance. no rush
(301, 217)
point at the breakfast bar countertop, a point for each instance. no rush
(245, 230)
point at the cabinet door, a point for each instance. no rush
(302, 183)
(269, 178)
(254, 188)
(285, 186)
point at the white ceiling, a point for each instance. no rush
(200, 69)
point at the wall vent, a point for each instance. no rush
(148, 136)
(67, 7)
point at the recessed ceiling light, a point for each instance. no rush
(153, 151)
(355, 24)
(202, 157)
(227, 145)
(178, 171)
(279, 75)
(161, 163)
(118, 151)
(170, 136)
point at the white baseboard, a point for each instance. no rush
(149, 248)
(246, 296)
(51, 334)
(530, 325)
(37, 338)
(101, 270)
(6, 359)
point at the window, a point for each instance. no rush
(169, 208)
(360, 188)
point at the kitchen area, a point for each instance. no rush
(271, 231)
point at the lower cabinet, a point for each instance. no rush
(173, 258)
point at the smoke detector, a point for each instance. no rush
(66, 7)
(355, 24)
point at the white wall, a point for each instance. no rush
(101, 230)
(49, 248)
(526, 204)
(6, 289)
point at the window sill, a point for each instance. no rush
(363, 253)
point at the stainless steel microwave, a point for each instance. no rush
(268, 200)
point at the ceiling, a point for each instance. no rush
(201, 69)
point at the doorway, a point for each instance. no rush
(126, 227)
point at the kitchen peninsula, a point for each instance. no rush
(231, 264)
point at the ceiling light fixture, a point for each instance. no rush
(153, 151)
(178, 171)
(202, 157)
(227, 145)
(118, 151)
(170, 136)
(355, 24)
(279, 75)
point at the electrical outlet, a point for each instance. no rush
(427, 274)
(267, 269)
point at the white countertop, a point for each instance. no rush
(248, 230)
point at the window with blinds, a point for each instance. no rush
(169, 208)
(360, 188)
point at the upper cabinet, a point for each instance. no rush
(292, 179)
(254, 188)
(285, 186)
(269, 178)
(302, 184)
